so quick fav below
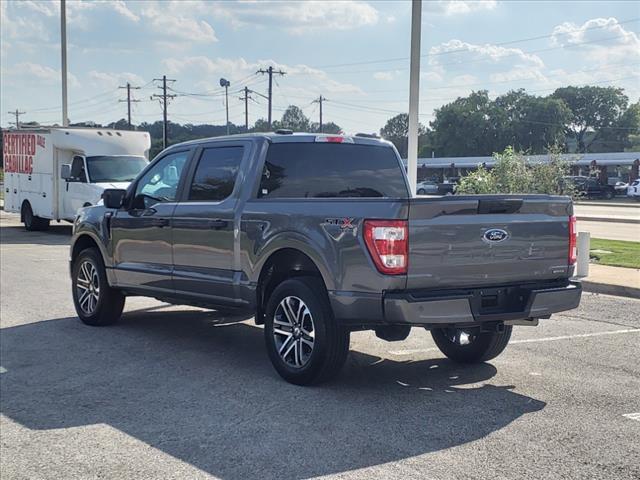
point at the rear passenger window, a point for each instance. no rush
(216, 173)
(325, 170)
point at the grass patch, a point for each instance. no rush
(623, 254)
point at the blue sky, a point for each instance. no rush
(355, 53)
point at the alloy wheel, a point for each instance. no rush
(88, 287)
(293, 331)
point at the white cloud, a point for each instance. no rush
(386, 75)
(492, 58)
(295, 16)
(35, 73)
(601, 39)
(113, 80)
(237, 69)
(459, 7)
(179, 21)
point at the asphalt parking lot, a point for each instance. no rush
(174, 392)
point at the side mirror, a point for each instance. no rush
(113, 197)
(65, 171)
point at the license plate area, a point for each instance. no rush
(497, 301)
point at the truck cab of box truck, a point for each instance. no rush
(51, 173)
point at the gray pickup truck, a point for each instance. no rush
(316, 236)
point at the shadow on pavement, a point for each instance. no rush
(206, 394)
(17, 235)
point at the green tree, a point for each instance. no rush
(529, 123)
(594, 109)
(294, 119)
(396, 130)
(466, 127)
(326, 128)
(623, 135)
(261, 125)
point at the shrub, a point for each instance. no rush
(512, 174)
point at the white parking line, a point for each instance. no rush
(633, 416)
(578, 335)
(530, 340)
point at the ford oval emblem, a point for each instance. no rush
(495, 235)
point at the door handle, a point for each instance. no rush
(160, 222)
(215, 224)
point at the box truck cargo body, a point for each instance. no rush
(51, 173)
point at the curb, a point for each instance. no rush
(609, 219)
(608, 289)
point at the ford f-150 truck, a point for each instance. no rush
(317, 236)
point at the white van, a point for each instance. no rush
(50, 173)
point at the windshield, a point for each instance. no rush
(105, 169)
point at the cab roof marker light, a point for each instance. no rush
(333, 139)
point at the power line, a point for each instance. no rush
(270, 72)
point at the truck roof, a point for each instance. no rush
(276, 137)
(95, 141)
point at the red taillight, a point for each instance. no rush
(573, 241)
(388, 245)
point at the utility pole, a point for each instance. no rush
(271, 71)
(129, 100)
(163, 98)
(17, 113)
(319, 101)
(246, 99)
(63, 69)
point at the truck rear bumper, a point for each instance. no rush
(469, 306)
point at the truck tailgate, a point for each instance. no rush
(483, 240)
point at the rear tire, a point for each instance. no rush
(97, 304)
(471, 346)
(31, 222)
(421, 191)
(609, 195)
(305, 343)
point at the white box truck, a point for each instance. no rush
(50, 173)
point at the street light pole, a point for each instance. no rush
(414, 94)
(63, 45)
(226, 83)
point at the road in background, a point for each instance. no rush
(174, 392)
(611, 230)
(621, 212)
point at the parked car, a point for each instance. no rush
(633, 191)
(590, 187)
(427, 187)
(316, 236)
(621, 188)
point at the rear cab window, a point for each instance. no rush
(216, 172)
(331, 170)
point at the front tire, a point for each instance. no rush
(472, 345)
(96, 303)
(305, 343)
